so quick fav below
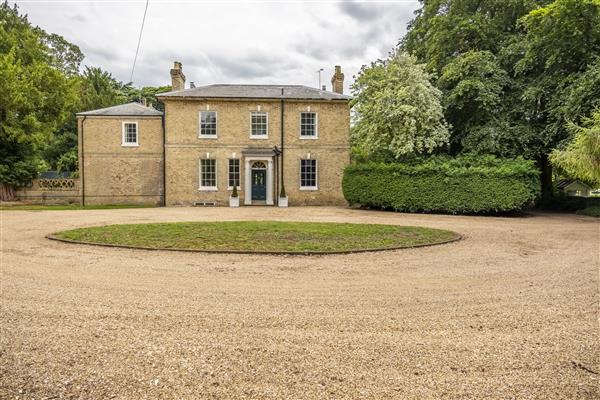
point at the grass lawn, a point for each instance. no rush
(261, 236)
(62, 207)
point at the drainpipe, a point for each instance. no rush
(164, 160)
(82, 166)
(282, 175)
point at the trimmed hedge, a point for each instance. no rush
(571, 203)
(461, 185)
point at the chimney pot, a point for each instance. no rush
(177, 77)
(337, 80)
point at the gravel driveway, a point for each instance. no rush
(511, 312)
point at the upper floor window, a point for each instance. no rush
(258, 124)
(308, 174)
(208, 124)
(208, 174)
(308, 125)
(234, 173)
(130, 134)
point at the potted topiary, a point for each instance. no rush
(234, 199)
(283, 200)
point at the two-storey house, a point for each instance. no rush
(210, 139)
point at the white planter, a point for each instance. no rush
(283, 202)
(234, 201)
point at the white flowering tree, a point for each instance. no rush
(396, 109)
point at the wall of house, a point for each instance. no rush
(184, 148)
(117, 174)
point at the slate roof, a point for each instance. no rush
(222, 91)
(124, 110)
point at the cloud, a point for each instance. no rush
(361, 11)
(228, 42)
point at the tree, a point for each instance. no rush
(561, 43)
(64, 56)
(149, 94)
(35, 100)
(513, 72)
(474, 85)
(580, 159)
(397, 109)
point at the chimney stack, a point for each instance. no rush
(177, 77)
(337, 80)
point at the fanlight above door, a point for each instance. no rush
(259, 165)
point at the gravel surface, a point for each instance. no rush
(511, 312)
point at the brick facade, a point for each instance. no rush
(170, 149)
(184, 148)
(111, 173)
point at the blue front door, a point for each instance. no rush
(259, 184)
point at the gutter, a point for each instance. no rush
(82, 166)
(164, 177)
(282, 188)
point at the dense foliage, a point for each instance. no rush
(397, 109)
(580, 159)
(42, 88)
(513, 73)
(464, 184)
(35, 101)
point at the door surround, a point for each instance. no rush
(248, 179)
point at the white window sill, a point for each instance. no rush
(231, 188)
(208, 189)
(130, 145)
(309, 137)
(207, 136)
(309, 188)
(259, 136)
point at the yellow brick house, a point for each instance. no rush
(211, 138)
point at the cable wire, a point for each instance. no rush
(139, 41)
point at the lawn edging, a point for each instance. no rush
(457, 238)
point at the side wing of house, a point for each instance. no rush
(121, 155)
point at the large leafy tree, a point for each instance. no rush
(397, 110)
(36, 98)
(513, 72)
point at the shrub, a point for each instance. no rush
(465, 184)
(592, 211)
(571, 203)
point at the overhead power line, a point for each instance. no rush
(137, 50)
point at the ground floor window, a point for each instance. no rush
(308, 174)
(234, 173)
(208, 174)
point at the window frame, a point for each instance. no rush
(124, 134)
(216, 172)
(316, 135)
(266, 135)
(239, 186)
(204, 135)
(309, 188)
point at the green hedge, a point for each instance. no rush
(571, 203)
(465, 184)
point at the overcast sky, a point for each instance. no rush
(271, 42)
